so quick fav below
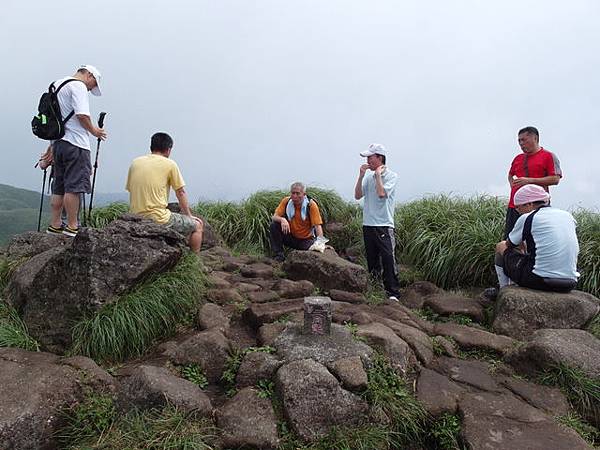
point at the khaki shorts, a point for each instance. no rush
(182, 224)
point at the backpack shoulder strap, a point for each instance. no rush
(63, 83)
(527, 236)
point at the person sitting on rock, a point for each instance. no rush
(149, 181)
(296, 222)
(548, 234)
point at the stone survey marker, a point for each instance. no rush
(317, 315)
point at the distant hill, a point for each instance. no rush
(19, 209)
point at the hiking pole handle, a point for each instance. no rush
(101, 120)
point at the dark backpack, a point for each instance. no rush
(48, 123)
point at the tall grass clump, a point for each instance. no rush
(588, 232)
(103, 216)
(451, 240)
(129, 326)
(13, 331)
(582, 391)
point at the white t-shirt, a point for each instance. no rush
(379, 212)
(73, 96)
(555, 242)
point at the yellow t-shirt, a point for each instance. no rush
(149, 179)
(301, 229)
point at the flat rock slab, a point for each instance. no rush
(212, 316)
(248, 421)
(501, 422)
(419, 342)
(549, 399)
(395, 348)
(473, 338)
(447, 304)
(293, 345)
(348, 297)
(34, 387)
(258, 314)
(154, 387)
(224, 296)
(520, 311)
(548, 348)
(351, 373)
(437, 393)
(267, 333)
(257, 270)
(262, 296)
(467, 373)
(314, 401)
(415, 294)
(326, 270)
(293, 289)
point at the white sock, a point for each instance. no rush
(503, 280)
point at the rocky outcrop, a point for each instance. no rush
(520, 311)
(326, 270)
(447, 305)
(56, 288)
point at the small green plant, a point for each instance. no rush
(438, 348)
(353, 328)
(594, 326)
(389, 393)
(284, 318)
(445, 431)
(429, 314)
(13, 331)
(89, 419)
(375, 294)
(460, 319)
(239, 308)
(492, 358)
(266, 388)
(582, 391)
(588, 432)
(106, 214)
(193, 372)
(7, 268)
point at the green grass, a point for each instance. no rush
(585, 430)
(582, 391)
(7, 268)
(588, 232)
(233, 363)
(594, 326)
(95, 424)
(13, 331)
(445, 432)
(130, 325)
(450, 240)
(106, 214)
(194, 373)
(390, 394)
(358, 438)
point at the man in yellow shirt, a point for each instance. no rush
(149, 181)
(295, 223)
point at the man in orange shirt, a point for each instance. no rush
(296, 222)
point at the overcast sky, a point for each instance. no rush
(258, 94)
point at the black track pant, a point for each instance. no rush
(278, 240)
(379, 247)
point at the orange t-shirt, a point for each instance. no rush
(301, 229)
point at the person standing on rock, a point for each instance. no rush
(71, 159)
(550, 263)
(377, 184)
(296, 222)
(149, 181)
(534, 165)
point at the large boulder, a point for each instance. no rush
(326, 270)
(248, 421)
(210, 237)
(314, 401)
(550, 348)
(56, 288)
(34, 388)
(520, 311)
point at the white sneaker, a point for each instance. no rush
(393, 298)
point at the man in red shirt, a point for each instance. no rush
(534, 166)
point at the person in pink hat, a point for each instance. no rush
(541, 250)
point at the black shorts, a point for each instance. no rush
(72, 169)
(519, 268)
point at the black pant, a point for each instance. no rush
(379, 247)
(278, 240)
(511, 218)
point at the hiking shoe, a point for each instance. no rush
(393, 298)
(490, 293)
(54, 230)
(71, 232)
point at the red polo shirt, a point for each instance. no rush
(540, 164)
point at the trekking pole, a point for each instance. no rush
(41, 200)
(82, 208)
(100, 125)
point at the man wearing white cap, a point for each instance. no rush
(550, 262)
(377, 184)
(72, 165)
